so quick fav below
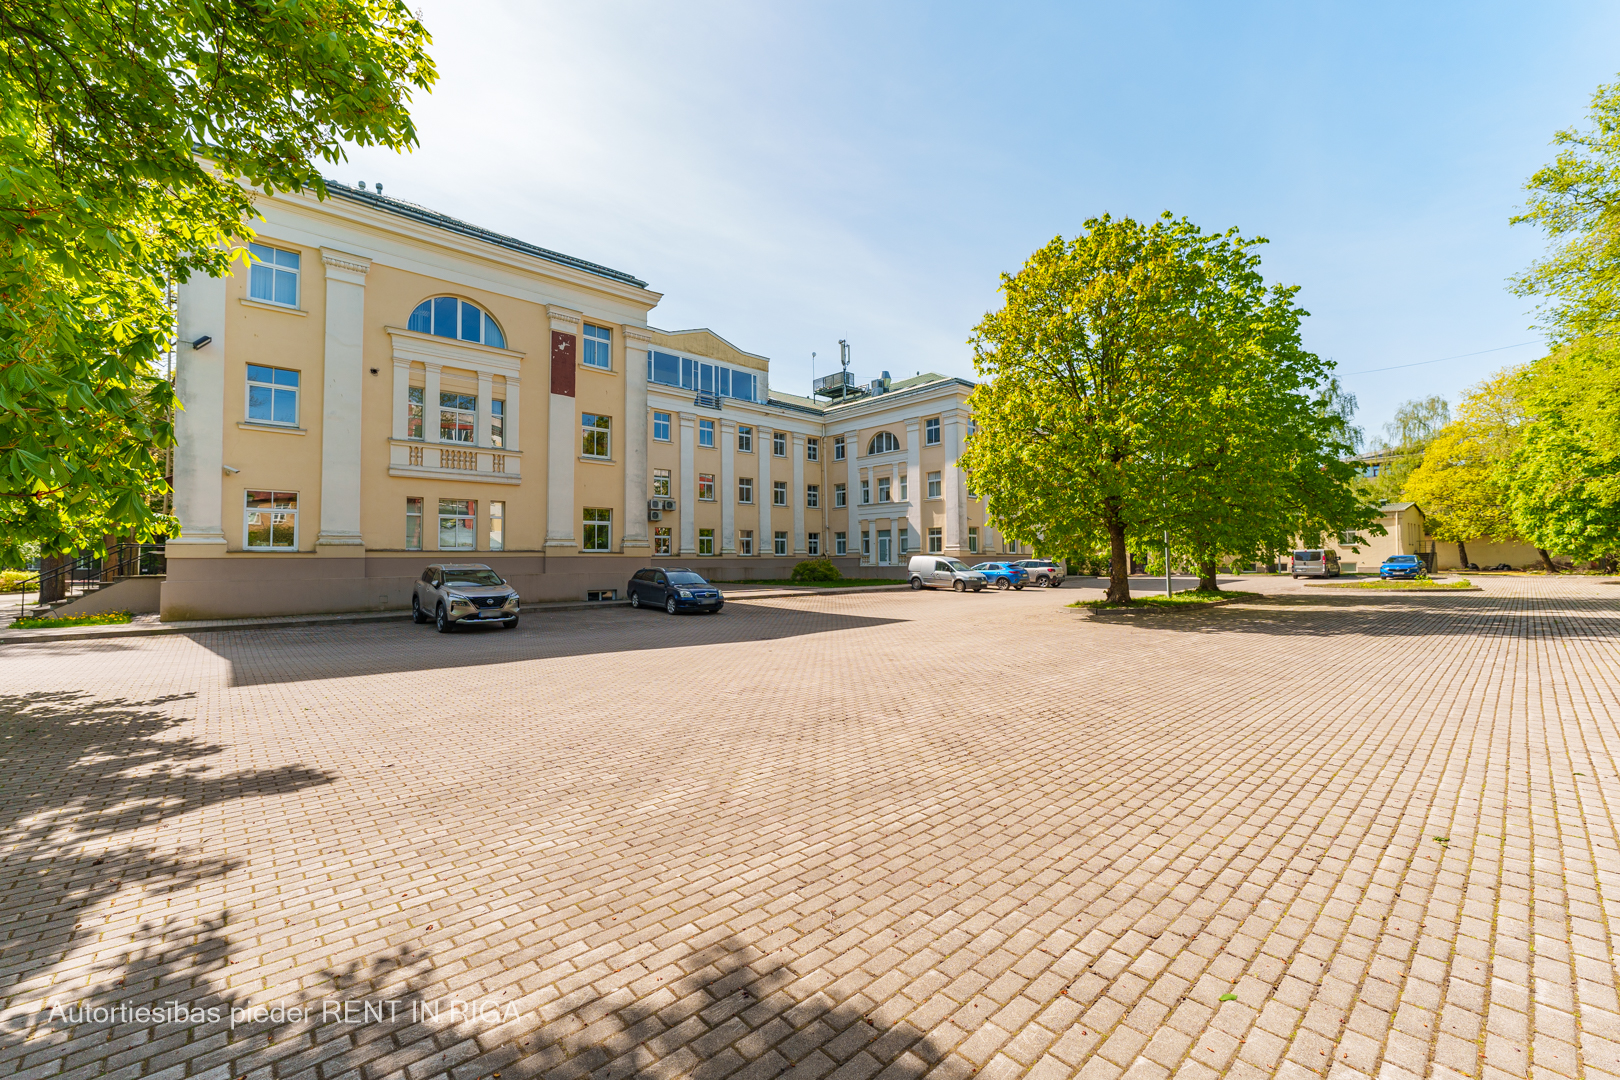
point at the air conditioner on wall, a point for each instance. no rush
(654, 515)
(669, 504)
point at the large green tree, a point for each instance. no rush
(1405, 440)
(132, 136)
(1143, 379)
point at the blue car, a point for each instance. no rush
(1402, 566)
(675, 589)
(1004, 575)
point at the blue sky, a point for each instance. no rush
(792, 174)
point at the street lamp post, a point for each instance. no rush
(1167, 563)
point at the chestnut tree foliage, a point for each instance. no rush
(1143, 379)
(132, 133)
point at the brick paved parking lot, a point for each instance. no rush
(880, 835)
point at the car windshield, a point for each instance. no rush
(1403, 559)
(1307, 556)
(687, 579)
(472, 577)
(956, 564)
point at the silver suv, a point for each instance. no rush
(453, 594)
(1044, 572)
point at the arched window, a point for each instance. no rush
(882, 443)
(446, 316)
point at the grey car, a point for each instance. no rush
(458, 594)
(1047, 573)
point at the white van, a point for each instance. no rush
(937, 572)
(1316, 562)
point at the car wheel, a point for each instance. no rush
(441, 622)
(978, 588)
(1019, 586)
(916, 583)
(1003, 584)
(635, 600)
(669, 605)
(416, 611)
(510, 624)
(959, 585)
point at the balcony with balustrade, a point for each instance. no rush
(449, 461)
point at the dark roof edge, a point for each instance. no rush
(400, 208)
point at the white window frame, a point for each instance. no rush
(663, 540)
(472, 529)
(420, 515)
(271, 269)
(840, 543)
(248, 511)
(931, 431)
(936, 541)
(745, 439)
(745, 542)
(812, 544)
(779, 493)
(779, 542)
(590, 425)
(812, 496)
(779, 444)
(273, 387)
(838, 448)
(936, 486)
(661, 483)
(596, 348)
(705, 538)
(705, 482)
(462, 416)
(745, 490)
(705, 434)
(885, 486)
(866, 493)
(840, 496)
(664, 419)
(497, 525)
(599, 528)
(812, 449)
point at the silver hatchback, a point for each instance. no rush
(457, 594)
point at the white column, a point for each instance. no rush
(916, 488)
(430, 407)
(562, 442)
(514, 391)
(796, 492)
(762, 492)
(340, 401)
(636, 492)
(955, 488)
(402, 399)
(688, 503)
(728, 487)
(486, 411)
(199, 427)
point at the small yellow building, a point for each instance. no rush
(385, 386)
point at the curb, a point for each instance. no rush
(1388, 592)
(211, 626)
(784, 594)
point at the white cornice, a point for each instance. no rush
(413, 346)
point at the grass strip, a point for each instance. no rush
(46, 622)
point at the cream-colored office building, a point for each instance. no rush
(385, 387)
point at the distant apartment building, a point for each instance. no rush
(385, 386)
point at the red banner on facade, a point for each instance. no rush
(562, 363)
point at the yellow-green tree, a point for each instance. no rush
(1461, 482)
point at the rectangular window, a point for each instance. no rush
(415, 413)
(745, 438)
(936, 541)
(271, 521)
(661, 483)
(903, 495)
(458, 417)
(598, 347)
(705, 541)
(931, 431)
(705, 432)
(661, 539)
(779, 493)
(598, 530)
(905, 540)
(497, 423)
(840, 543)
(780, 545)
(884, 489)
(661, 426)
(274, 276)
(812, 495)
(812, 543)
(745, 542)
(840, 495)
(866, 492)
(838, 448)
(935, 487)
(272, 395)
(973, 539)
(413, 524)
(745, 489)
(598, 595)
(866, 543)
(597, 431)
(663, 367)
(458, 521)
(706, 487)
(779, 444)
(497, 526)
(812, 449)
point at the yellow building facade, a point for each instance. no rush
(384, 387)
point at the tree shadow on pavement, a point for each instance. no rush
(86, 787)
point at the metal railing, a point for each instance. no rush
(84, 572)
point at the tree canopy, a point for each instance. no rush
(1143, 379)
(1461, 483)
(131, 136)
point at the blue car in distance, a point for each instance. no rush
(1004, 575)
(1402, 566)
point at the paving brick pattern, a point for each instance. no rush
(882, 836)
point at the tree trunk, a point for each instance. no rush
(52, 589)
(1119, 566)
(1462, 553)
(1206, 576)
(1546, 561)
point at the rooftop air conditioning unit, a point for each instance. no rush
(654, 515)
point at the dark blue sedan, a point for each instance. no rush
(1004, 575)
(673, 588)
(1402, 566)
